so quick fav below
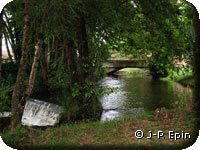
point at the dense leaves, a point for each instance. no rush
(79, 35)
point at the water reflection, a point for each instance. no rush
(115, 99)
(137, 94)
(117, 113)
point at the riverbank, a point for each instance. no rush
(186, 79)
(181, 118)
(116, 132)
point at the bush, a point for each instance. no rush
(9, 68)
(58, 76)
(159, 70)
(6, 88)
(5, 102)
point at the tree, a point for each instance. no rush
(7, 47)
(72, 64)
(44, 64)
(22, 67)
(196, 23)
(34, 67)
(79, 35)
(40, 39)
(1, 33)
(14, 26)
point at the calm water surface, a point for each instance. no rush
(136, 94)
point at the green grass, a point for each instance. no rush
(131, 70)
(135, 71)
(115, 132)
(14, 137)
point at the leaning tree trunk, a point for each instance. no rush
(22, 68)
(36, 59)
(1, 31)
(34, 69)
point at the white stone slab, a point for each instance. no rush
(40, 113)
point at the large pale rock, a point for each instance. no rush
(39, 113)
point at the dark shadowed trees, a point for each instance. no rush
(1, 33)
(196, 23)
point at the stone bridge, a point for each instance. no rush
(113, 65)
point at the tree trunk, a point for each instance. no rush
(44, 65)
(36, 59)
(84, 52)
(1, 31)
(86, 100)
(72, 64)
(10, 37)
(7, 47)
(34, 69)
(6, 34)
(196, 23)
(17, 48)
(22, 68)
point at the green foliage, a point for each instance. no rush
(6, 87)
(70, 109)
(159, 70)
(58, 76)
(159, 67)
(180, 73)
(9, 71)
(4, 102)
(85, 97)
(137, 28)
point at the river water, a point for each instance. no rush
(133, 94)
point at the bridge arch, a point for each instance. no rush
(113, 65)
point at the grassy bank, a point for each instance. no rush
(117, 132)
(182, 76)
(187, 81)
